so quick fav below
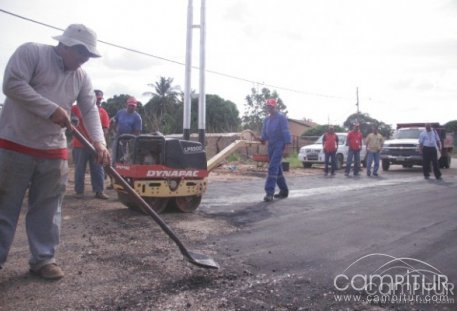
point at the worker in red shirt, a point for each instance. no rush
(354, 143)
(82, 156)
(330, 145)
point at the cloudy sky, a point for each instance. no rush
(400, 54)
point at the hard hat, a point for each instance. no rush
(271, 102)
(131, 101)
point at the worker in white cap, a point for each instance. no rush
(40, 83)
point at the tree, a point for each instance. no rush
(321, 129)
(451, 126)
(222, 116)
(366, 124)
(255, 109)
(116, 103)
(164, 102)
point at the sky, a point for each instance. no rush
(401, 55)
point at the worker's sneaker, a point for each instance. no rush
(49, 272)
(268, 198)
(101, 195)
(282, 194)
(79, 195)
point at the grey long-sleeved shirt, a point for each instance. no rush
(35, 84)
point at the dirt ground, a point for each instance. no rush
(118, 259)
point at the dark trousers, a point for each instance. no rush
(429, 154)
(330, 158)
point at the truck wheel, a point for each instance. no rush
(339, 161)
(385, 165)
(447, 164)
(307, 165)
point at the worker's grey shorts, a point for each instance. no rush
(45, 180)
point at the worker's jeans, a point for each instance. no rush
(81, 156)
(356, 155)
(45, 180)
(372, 157)
(275, 174)
(330, 158)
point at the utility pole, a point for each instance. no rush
(187, 78)
(202, 98)
(187, 83)
(357, 104)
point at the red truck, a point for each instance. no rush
(403, 148)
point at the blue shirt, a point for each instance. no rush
(429, 139)
(127, 123)
(275, 129)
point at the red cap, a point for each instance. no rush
(271, 102)
(131, 101)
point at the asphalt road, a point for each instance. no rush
(328, 223)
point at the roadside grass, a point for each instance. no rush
(293, 160)
(234, 157)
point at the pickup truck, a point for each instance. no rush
(403, 148)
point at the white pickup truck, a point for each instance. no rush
(403, 148)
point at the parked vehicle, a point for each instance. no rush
(314, 154)
(403, 148)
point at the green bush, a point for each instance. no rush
(293, 160)
(234, 157)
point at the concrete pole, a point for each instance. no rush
(187, 79)
(202, 97)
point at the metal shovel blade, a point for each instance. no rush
(202, 260)
(197, 259)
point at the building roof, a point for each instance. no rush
(307, 123)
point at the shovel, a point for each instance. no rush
(197, 259)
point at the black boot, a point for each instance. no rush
(282, 194)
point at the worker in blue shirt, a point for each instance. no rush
(429, 144)
(275, 131)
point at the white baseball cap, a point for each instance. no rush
(78, 34)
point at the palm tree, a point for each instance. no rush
(164, 99)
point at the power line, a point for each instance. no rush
(183, 64)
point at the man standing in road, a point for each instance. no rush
(429, 143)
(354, 143)
(275, 130)
(330, 145)
(41, 83)
(374, 143)
(82, 156)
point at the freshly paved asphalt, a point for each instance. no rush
(327, 223)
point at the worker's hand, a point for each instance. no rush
(103, 156)
(262, 141)
(60, 118)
